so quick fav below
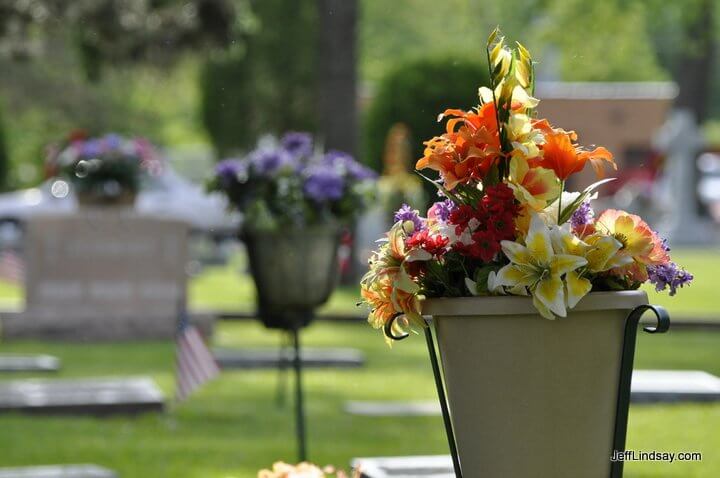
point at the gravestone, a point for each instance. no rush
(681, 140)
(29, 363)
(102, 274)
(274, 358)
(58, 471)
(433, 466)
(81, 396)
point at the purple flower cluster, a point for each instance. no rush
(339, 159)
(323, 184)
(267, 162)
(297, 143)
(230, 170)
(406, 213)
(582, 216)
(668, 276)
(441, 210)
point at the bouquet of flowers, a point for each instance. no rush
(302, 470)
(291, 182)
(505, 224)
(104, 168)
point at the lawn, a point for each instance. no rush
(229, 288)
(233, 426)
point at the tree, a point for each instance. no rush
(338, 74)
(269, 85)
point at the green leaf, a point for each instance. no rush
(441, 188)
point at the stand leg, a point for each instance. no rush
(299, 408)
(283, 365)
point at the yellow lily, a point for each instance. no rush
(539, 268)
(534, 187)
(600, 251)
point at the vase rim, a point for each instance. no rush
(521, 305)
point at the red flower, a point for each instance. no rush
(486, 246)
(502, 226)
(434, 245)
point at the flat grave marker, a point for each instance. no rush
(432, 466)
(29, 363)
(58, 471)
(275, 358)
(102, 396)
(648, 386)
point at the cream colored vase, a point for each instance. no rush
(531, 397)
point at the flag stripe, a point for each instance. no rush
(195, 363)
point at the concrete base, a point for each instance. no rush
(53, 327)
(100, 397)
(275, 358)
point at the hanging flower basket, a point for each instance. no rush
(296, 200)
(294, 272)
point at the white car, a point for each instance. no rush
(165, 195)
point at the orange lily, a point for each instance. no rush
(468, 148)
(566, 158)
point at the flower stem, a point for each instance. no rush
(562, 188)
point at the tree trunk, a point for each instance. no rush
(337, 74)
(696, 64)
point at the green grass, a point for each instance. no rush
(229, 288)
(233, 426)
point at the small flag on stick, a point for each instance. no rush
(195, 364)
(12, 267)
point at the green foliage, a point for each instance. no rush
(414, 94)
(269, 86)
(4, 158)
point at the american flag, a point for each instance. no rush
(12, 267)
(195, 365)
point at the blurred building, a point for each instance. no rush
(623, 117)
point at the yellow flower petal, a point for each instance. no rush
(517, 253)
(603, 249)
(538, 241)
(512, 275)
(551, 293)
(544, 311)
(562, 263)
(577, 287)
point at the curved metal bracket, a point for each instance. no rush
(662, 316)
(626, 368)
(387, 328)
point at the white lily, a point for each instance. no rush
(537, 267)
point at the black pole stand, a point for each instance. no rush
(624, 383)
(283, 366)
(299, 408)
(626, 368)
(443, 399)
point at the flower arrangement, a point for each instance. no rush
(505, 224)
(302, 470)
(106, 167)
(291, 182)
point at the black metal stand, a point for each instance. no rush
(299, 407)
(283, 366)
(626, 368)
(624, 383)
(443, 399)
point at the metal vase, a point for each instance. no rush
(295, 271)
